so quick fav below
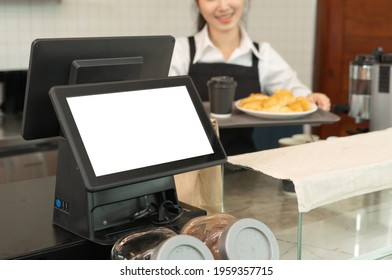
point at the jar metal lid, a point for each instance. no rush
(248, 239)
(182, 247)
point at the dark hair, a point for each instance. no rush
(200, 19)
(200, 22)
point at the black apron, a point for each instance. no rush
(237, 140)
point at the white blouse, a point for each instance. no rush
(274, 71)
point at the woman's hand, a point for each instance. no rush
(321, 100)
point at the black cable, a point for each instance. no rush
(164, 210)
(149, 210)
(161, 215)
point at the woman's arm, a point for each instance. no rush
(275, 73)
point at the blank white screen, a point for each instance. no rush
(128, 130)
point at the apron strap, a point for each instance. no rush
(192, 48)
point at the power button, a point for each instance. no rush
(61, 204)
(58, 203)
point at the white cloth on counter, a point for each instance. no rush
(324, 172)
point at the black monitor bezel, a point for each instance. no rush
(92, 183)
(51, 61)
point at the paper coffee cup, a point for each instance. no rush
(221, 93)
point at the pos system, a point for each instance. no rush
(121, 144)
(124, 130)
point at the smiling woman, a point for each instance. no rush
(223, 19)
(237, 8)
(222, 47)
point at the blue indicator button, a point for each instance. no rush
(58, 203)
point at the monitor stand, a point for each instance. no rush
(102, 216)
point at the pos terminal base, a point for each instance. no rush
(103, 216)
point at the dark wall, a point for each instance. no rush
(14, 86)
(346, 28)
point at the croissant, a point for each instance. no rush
(282, 101)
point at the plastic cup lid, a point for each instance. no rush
(222, 81)
(248, 239)
(182, 247)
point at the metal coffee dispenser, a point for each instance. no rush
(370, 93)
(360, 87)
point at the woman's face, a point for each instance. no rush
(222, 15)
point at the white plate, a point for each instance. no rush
(276, 115)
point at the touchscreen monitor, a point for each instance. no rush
(126, 132)
(63, 61)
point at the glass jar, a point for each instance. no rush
(160, 244)
(209, 230)
(231, 239)
(140, 245)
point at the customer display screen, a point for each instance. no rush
(125, 132)
(135, 129)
